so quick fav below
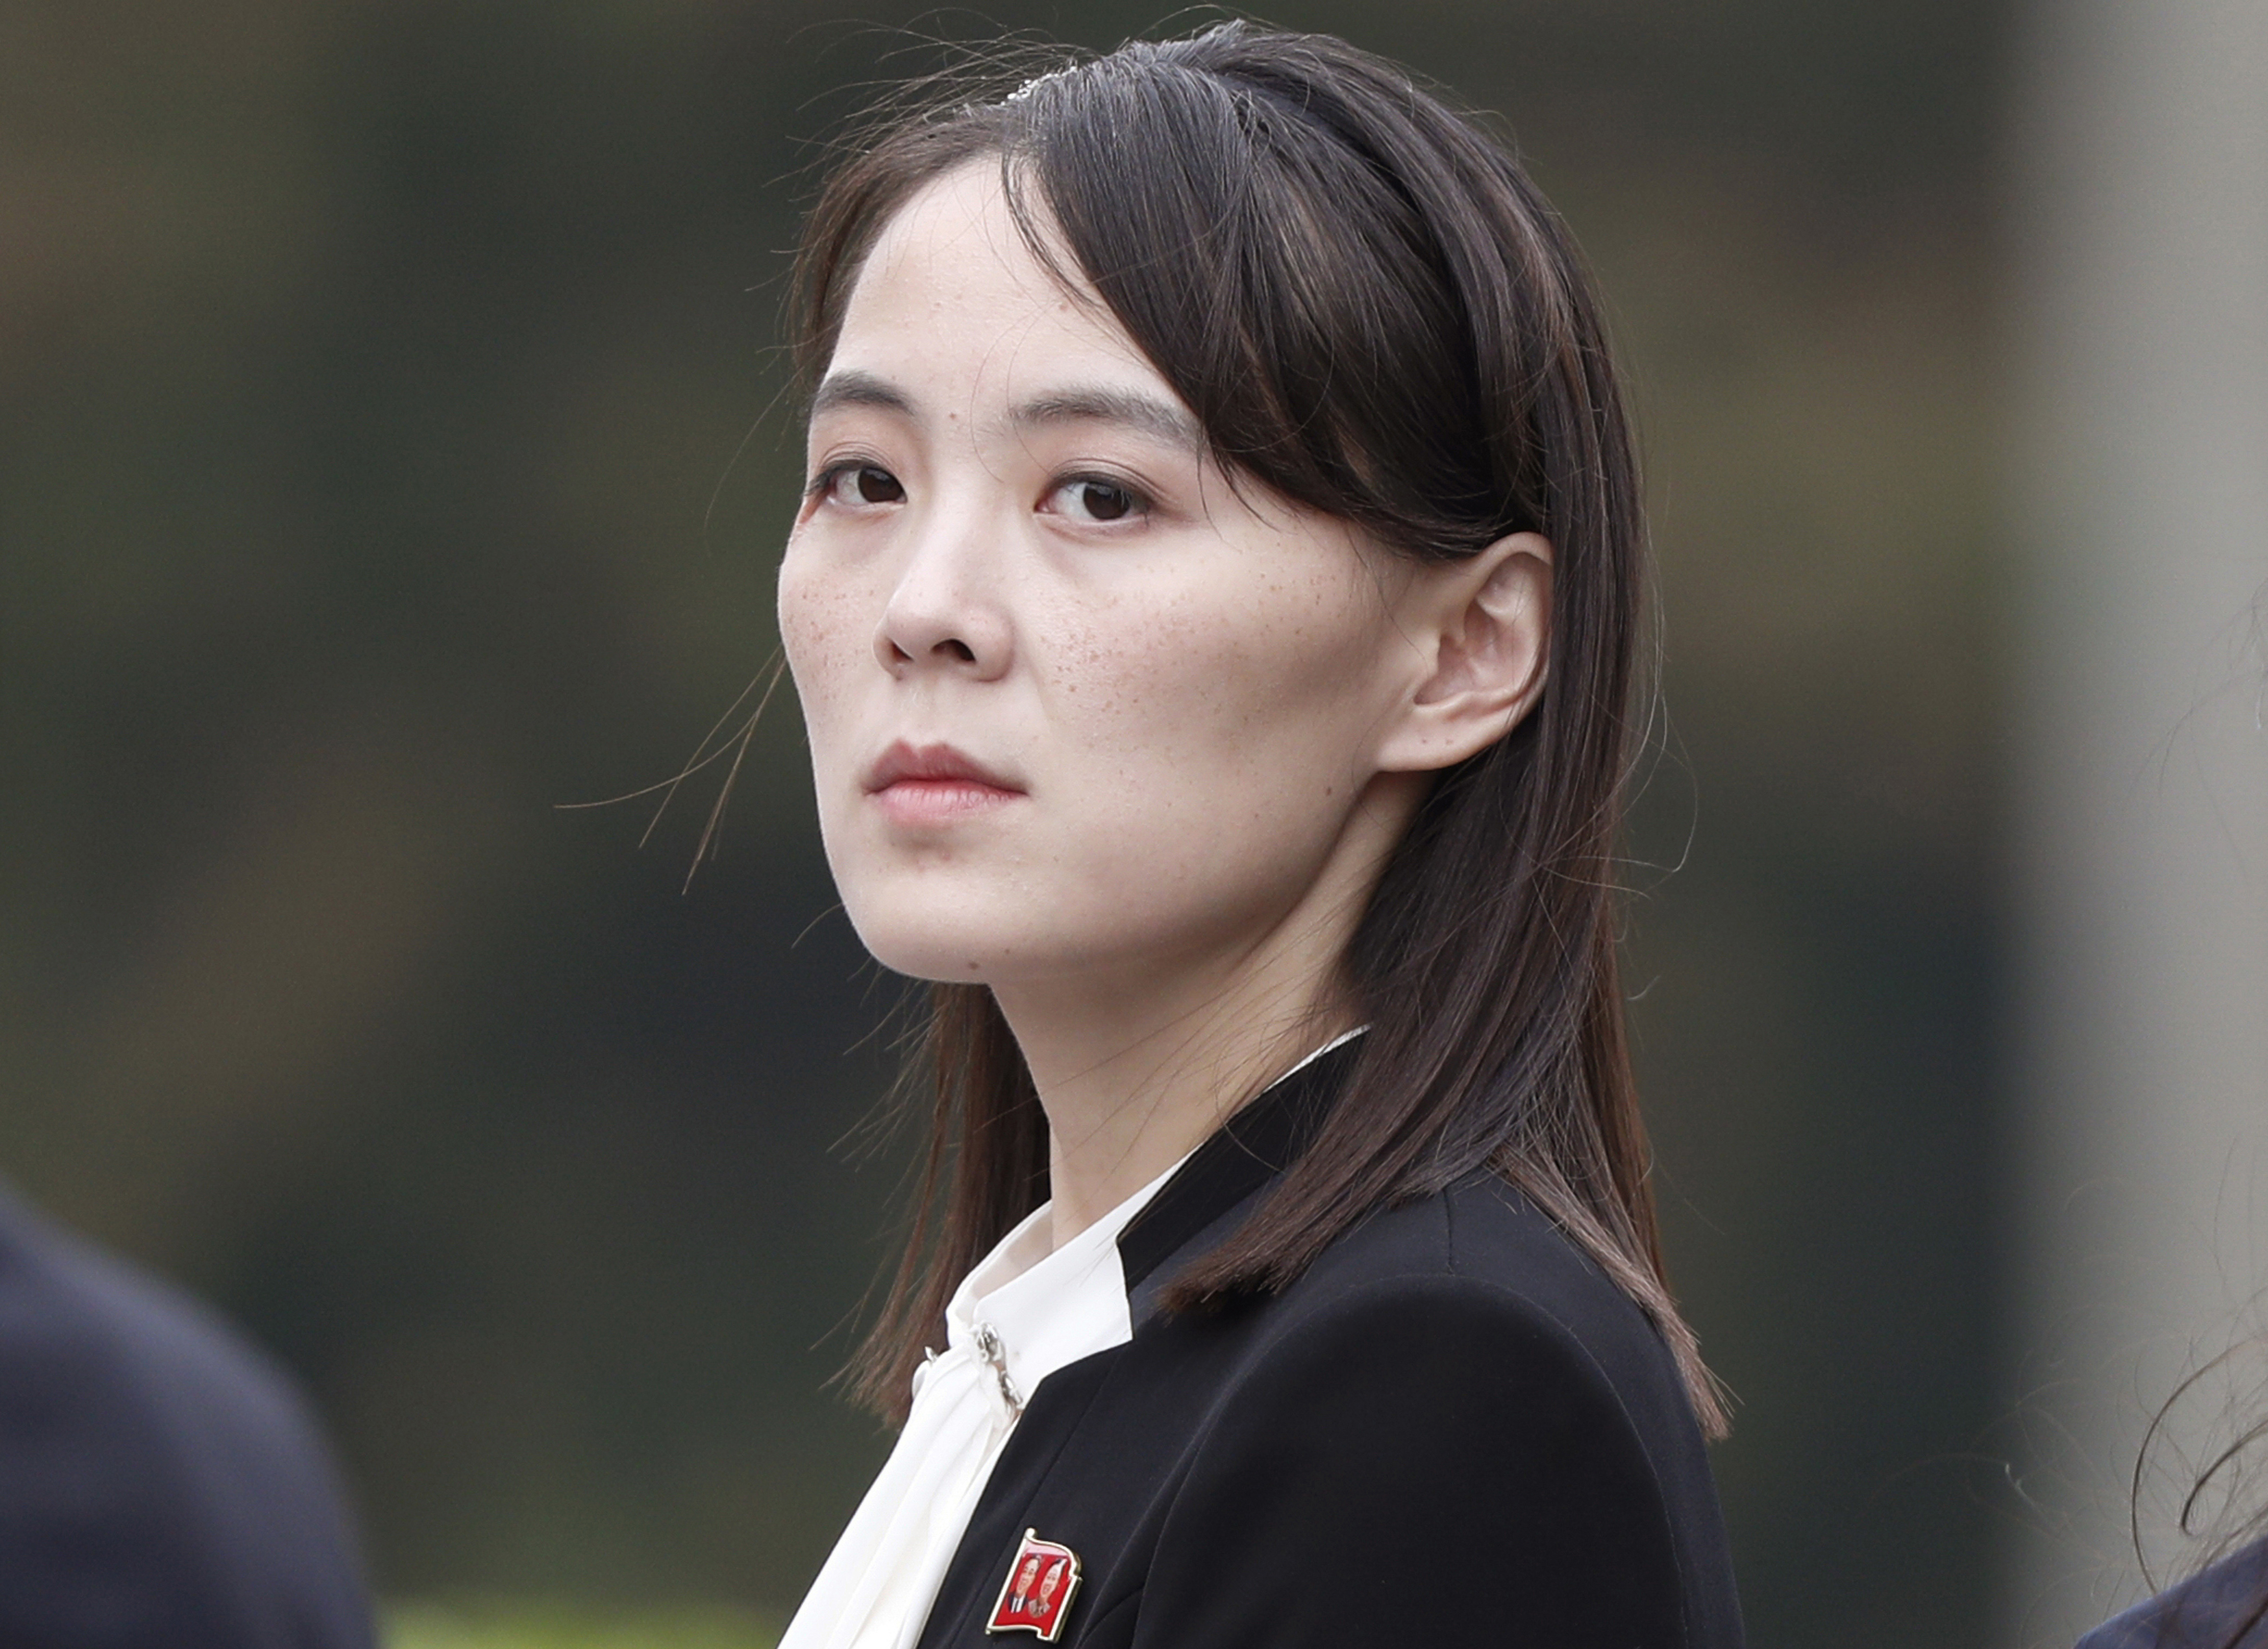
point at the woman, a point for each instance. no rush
(1214, 606)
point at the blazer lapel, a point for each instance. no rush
(1201, 1204)
(1224, 1178)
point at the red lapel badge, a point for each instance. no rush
(1036, 1595)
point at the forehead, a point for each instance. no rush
(951, 294)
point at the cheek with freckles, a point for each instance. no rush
(824, 631)
(1210, 748)
(1207, 679)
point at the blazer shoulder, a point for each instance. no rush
(1460, 1366)
(1512, 1261)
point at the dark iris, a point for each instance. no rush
(1105, 502)
(879, 486)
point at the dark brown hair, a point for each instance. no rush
(2218, 1510)
(1373, 311)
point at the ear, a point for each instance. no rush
(1483, 629)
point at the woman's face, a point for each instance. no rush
(1076, 706)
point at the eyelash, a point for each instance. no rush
(825, 482)
(1141, 504)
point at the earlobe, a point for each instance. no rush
(1484, 627)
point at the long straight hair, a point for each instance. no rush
(1373, 313)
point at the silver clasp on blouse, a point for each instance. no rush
(996, 1355)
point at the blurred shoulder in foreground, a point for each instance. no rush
(2225, 1607)
(160, 1483)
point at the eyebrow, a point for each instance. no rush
(859, 389)
(1091, 404)
(1146, 412)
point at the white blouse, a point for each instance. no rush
(1022, 1313)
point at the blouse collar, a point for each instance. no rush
(1028, 1310)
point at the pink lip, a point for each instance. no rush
(934, 783)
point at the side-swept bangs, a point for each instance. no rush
(1371, 311)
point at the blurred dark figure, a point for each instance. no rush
(2225, 1607)
(161, 1485)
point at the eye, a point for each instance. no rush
(856, 484)
(1096, 499)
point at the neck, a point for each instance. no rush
(1137, 1068)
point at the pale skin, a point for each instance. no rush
(1092, 727)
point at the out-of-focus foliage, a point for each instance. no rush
(571, 1626)
(376, 384)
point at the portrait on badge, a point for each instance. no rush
(1214, 607)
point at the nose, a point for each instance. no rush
(944, 613)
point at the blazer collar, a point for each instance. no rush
(1243, 1156)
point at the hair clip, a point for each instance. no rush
(1025, 90)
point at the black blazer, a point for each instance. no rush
(161, 1487)
(2203, 1612)
(1452, 1430)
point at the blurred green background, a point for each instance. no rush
(376, 384)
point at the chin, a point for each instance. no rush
(947, 940)
(955, 937)
(938, 964)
